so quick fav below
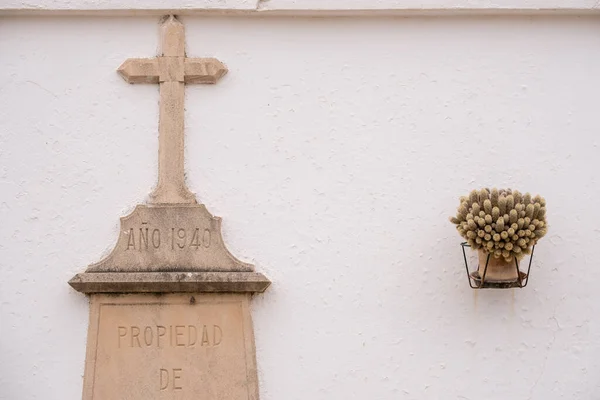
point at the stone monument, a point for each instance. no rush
(169, 316)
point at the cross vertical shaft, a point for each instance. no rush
(171, 70)
(171, 173)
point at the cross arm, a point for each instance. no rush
(203, 70)
(140, 70)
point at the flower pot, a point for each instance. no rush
(498, 270)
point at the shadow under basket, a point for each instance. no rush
(477, 279)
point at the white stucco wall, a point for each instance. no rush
(334, 150)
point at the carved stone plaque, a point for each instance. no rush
(170, 347)
(170, 248)
(170, 238)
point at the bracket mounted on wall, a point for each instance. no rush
(477, 279)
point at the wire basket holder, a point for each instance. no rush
(477, 281)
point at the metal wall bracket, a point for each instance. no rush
(477, 281)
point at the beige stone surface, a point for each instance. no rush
(172, 70)
(170, 238)
(170, 347)
(170, 282)
(168, 249)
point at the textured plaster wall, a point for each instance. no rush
(334, 150)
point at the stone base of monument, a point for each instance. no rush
(169, 316)
(170, 346)
(170, 248)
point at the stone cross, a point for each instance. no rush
(172, 70)
(195, 340)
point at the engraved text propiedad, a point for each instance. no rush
(170, 335)
(171, 347)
